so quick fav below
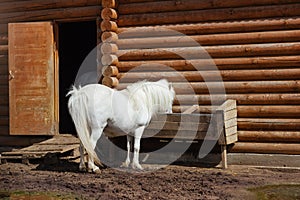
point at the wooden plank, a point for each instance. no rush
(228, 105)
(231, 131)
(48, 148)
(61, 139)
(191, 109)
(231, 114)
(184, 126)
(185, 135)
(231, 139)
(179, 117)
(230, 123)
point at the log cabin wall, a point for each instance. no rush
(31, 11)
(255, 45)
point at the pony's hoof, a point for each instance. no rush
(82, 169)
(124, 165)
(97, 171)
(137, 167)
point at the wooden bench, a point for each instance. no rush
(220, 126)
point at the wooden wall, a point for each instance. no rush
(255, 45)
(34, 10)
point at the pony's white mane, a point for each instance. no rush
(155, 96)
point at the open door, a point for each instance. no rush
(33, 79)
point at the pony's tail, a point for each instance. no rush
(79, 112)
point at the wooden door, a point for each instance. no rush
(33, 79)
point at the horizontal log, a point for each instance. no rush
(212, 39)
(268, 124)
(4, 121)
(4, 131)
(132, 1)
(221, 63)
(107, 25)
(4, 111)
(251, 147)
(264, 111)
(269, 136)
(3, 29)
(276, 24)
(269, 111)
(228, 75)
(4, 60)
(3, 69)
(4, 100)
(109, 13)
(209, 15)
(52, 14)
(110, 81)
(32, 5)
(171, 6)
(109, 36)
(4, 90)
(110, 71)
(212, 51)
(3, 39)
(242, 99)
(3, 49)
(108, 3)
(109, 48)
(239, 87)
(109, 59)
(3, 79)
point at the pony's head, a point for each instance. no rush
(156, 96)
(167, 107)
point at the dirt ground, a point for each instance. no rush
(172, 182)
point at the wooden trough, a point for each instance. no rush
(220, 126)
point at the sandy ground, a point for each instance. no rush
(172, 182)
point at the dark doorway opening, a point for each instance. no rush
(76, 41)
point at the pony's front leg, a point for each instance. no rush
(82, 166)
(129, 144)
(137, 142)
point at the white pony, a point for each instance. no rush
(95, 106)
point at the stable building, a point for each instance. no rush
(253, 44)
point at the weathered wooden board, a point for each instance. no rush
(58, 145)
(31, 87)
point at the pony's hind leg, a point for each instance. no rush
(96, 134)
(129, 144)
(82, 166)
